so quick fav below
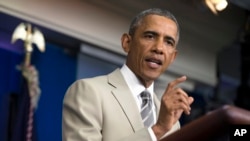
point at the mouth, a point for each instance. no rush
(153, 62)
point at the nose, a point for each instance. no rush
(158, 47)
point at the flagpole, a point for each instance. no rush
(24, 32)
(27, 44)
(30, 36)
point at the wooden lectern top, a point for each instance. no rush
(211, 125)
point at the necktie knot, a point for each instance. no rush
(146, 98)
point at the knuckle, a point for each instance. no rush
(179, 90)
(170, 84)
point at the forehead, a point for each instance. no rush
(158, 23)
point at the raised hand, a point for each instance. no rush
(174, 102)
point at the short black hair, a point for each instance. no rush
(153, 11)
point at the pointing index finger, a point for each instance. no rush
(177, 81)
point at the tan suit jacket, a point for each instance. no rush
(103, 109)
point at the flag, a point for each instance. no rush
(23, 106)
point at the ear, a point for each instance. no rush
(125, 40)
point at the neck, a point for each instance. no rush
(145, 83)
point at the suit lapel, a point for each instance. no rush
(125, 99)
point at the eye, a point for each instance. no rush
(149, 36)
(170, 42)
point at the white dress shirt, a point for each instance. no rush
(136, 88)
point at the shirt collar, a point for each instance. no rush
(133, 82)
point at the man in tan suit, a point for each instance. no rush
(107, 108)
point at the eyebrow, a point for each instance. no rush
(151, 32)
(156, 34)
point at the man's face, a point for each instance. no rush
(152, 48)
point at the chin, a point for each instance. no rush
(152, 77)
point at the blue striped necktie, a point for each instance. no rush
(147, 109)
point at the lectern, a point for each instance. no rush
(212, 125)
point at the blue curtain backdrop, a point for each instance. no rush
(9, 84)
(57, 70)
